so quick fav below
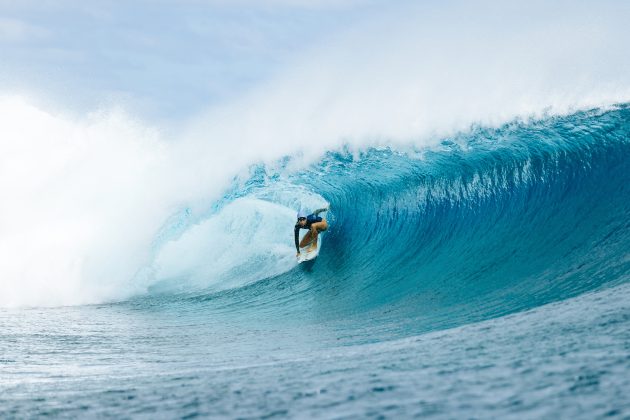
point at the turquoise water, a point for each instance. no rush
(485, 277)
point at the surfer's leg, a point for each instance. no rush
(306, 239)
(315, 234)
(319, 227)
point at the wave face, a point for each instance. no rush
(490, 222)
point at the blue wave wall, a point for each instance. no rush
(491, 222)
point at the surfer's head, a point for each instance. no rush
(301, 218)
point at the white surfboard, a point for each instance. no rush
(310, 255)
(307, 256)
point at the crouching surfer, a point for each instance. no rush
(314, 224)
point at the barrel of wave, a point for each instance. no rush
(249, 240)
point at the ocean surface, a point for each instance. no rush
(485, 277)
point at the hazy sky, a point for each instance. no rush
(157, 58)
(166, 60)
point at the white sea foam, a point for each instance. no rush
(83, 197)
(246, 241)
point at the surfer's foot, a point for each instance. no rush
(312, 248)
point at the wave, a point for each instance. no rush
(535, 207)
(489, 222)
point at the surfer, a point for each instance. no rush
(314, 224)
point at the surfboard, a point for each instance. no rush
(310, 255)
(307, 256)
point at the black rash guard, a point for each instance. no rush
(310, 219)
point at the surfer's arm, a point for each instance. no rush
(297, 238)
(316, 212)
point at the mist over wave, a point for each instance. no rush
(103, 207)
